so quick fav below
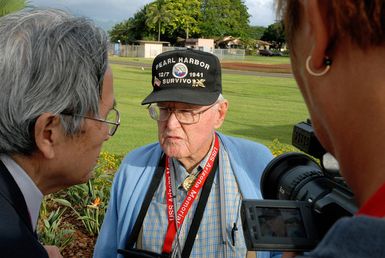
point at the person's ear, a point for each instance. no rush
(320, 32)
(222, 111)
(47, 132)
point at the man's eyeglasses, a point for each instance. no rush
(112, 119)
(184, 116)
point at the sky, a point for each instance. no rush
(106, 13)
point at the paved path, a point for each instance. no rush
(225, 71)
(255, 73)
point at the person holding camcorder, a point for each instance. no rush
(337, 51)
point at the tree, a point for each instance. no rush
(173, 19)
(186, 14)
(256, 32)
(10, 6)
(224, 17)
(134, 28)
(157, 15)
(139, 28)
(275, 33)
(121, 32)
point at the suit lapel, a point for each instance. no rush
(11, 192)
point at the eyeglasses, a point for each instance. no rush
(112, 119)
(184, 116)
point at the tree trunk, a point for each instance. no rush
(159, 31)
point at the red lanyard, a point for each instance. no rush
(188, 201)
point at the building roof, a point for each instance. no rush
(151, 41)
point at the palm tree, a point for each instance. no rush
(157, 15)
(9, 6)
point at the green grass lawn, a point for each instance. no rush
(267, 59)
(248, 59)
(131, 59)
(261, 108)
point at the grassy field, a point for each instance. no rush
(267, 59)
(261, 108)
(141, 60)
(248, 59)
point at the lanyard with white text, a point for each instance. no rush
(188, 201)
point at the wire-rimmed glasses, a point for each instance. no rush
(112, 119)
(184, 116)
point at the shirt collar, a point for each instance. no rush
(32, 195)
(180, 172)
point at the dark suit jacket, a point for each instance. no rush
(17, 238)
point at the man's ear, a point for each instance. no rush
(320, 32)
(222, 111)
(47, 132)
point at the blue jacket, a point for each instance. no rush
(248, 160)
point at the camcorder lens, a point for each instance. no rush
(285, 176)
(296, 176)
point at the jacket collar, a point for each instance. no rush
(11, 193)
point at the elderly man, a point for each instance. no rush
(57, 109)
(181, 197)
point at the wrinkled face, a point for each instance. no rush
(190, 141)
(83, 150)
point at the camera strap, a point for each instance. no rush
(146, 202)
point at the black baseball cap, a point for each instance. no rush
(185, 75)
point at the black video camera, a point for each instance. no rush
(302, 198)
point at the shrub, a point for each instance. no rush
(85, 202)
(278, 148)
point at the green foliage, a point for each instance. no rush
(139, 29)
(256, 32)
(52, 230)
(134, 28)
(158, 14)
(121, 32)
(173, 18)
(278, 148)
(170, 19)
(275, 33)
(224, 18)
(84, 202)
(89, 201)
(10, 6)
(186, 14)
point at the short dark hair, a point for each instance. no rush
(362, 21)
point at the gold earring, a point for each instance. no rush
(327, 63)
